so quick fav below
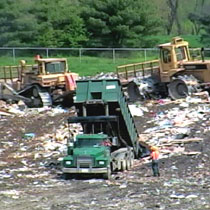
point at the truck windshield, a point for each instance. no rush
(88, 142)
(55, 67)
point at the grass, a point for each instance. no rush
(103, 61)
(87, 65)
(93, 65)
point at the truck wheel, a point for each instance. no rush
(128, 164)
(119, 165)
(178, 89)
(107, 175)
(132, 159)
(66, 176)
(123, 165)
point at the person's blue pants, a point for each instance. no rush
(155, 168)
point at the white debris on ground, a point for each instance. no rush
(102, 75)
(45, 149)
(171, 128)
(137, 110)
(25, 154)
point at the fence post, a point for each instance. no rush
(113, 55)
(47, 52)
(80, 55)
(145, 54)
(13, 54)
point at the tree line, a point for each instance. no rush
(100, 23)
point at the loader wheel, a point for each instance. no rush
(177, 89)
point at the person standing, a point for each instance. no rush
(154, 155)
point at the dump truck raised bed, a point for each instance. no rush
(177, 73)
(46, 82)
(110, 140)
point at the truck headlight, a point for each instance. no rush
(101, 162)
(68, 162)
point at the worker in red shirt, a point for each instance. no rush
(154, 155)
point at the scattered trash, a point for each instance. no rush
(177, 196)
(191, 196)
(136, 111)
(29, 135)
(123, 186)
(32, 157)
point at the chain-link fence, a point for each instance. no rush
(86, 60)
(80, 53)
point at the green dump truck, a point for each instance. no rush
(109, 141)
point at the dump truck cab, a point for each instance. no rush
(172, 56)
(89, 153)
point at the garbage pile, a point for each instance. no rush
(173, 127)
(32, 141)
(169, 129)
(102, 75)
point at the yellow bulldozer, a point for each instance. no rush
(44, 83)
(176, 73)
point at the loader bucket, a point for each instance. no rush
(133, 91)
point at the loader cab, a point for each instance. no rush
(52, 66)
(172, 56)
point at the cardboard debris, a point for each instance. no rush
(185, 141)
(5, 113)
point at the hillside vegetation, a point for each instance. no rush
(102, 23)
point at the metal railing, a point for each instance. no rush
(137, 69)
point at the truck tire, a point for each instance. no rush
(123, 165)
(132, 159)
(128, 164)
(67, 176)
(119, 165)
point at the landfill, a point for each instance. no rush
(32, 141)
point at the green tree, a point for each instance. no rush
(60, 24)
(41, 23)
(17, 23)
(201, 21)
(205, 27)
(119, 23)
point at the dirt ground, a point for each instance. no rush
(27, 182)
